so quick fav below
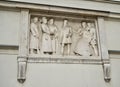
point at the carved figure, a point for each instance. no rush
(83, 45)
(93, 36)
(53, 34)
(40, 33)
(46, 40)
(66, 35)
(34, 36)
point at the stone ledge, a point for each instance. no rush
(64, 59)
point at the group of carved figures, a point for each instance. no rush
(44, 37)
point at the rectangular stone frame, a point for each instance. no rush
(66, 59)
(24, 57)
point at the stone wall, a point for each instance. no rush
(57, 75)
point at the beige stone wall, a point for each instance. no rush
(9, 27)
(112, 27)
(54, 75)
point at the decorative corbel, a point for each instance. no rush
(22, 66)
(23, 45)
(104, 50)
(106, 69)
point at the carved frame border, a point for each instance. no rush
(24, 57)
(68, 59)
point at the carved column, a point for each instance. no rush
(104, 50)
(23, 45)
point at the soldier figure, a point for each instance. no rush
(66, 35)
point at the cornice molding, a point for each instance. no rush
(84, 4)
(107, 1)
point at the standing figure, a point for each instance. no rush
(46, 40)
(66, 35)
(34, 39)
(93, 40)
(83, 45)
(53, 34)
(40, 33)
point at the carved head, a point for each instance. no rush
(35, 19)
(44, 20)
(84, 24)
(65, 22)
(51, 21)
(89, 24)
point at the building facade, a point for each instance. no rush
(72, 43)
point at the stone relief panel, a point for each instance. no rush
(61, 36)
